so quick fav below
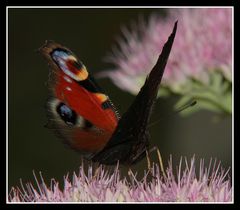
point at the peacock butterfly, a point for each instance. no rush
(81, 113)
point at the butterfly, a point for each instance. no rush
(80, 112)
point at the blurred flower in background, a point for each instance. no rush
(212, 184)
(200, 64)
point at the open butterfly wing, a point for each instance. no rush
(130, 139)
(78, 110)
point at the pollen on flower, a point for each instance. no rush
(184, 185)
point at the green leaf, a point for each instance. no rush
(216, 81)
(164, 91)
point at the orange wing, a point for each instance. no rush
(79, 111)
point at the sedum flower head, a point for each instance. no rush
(212, 184)
(200, 61)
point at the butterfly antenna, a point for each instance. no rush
(186, 106)
(190, 104)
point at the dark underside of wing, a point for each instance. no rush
(130, 139)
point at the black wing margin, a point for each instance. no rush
(140, 110)
(130, 139)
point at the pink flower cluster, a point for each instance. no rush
(203, 43)
(212, 184)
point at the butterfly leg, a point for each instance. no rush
(148, 161)
(161, 163)
(159, 159)
(149, 172)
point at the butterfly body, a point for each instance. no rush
(82, 114)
